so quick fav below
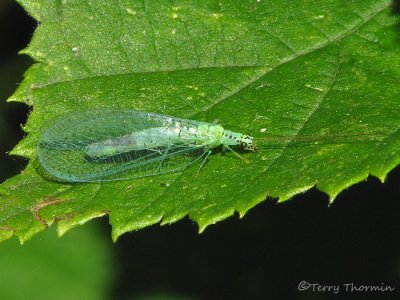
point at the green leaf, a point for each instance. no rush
(76, 267)
(266, 68)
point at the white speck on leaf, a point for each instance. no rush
(217, 15)
(75, 50)
(39, 54)
(261, 86)
(314, 88)
(131, 11)
(192, 87)
(258, 117)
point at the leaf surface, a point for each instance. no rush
(288, 69)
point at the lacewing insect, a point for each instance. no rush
(117, 144)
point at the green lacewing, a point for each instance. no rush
(118, 144)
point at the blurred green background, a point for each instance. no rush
(264, 255)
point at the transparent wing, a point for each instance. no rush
(62, 149)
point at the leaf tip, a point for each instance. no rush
(6, 232)
(172, 218)
(24, 51)
(202, 227)
(28, 234)
(114, 238)
(242, 213)
(68, 222)
(116, 233)
(332, 198)
(382, 178)
(293, 192)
